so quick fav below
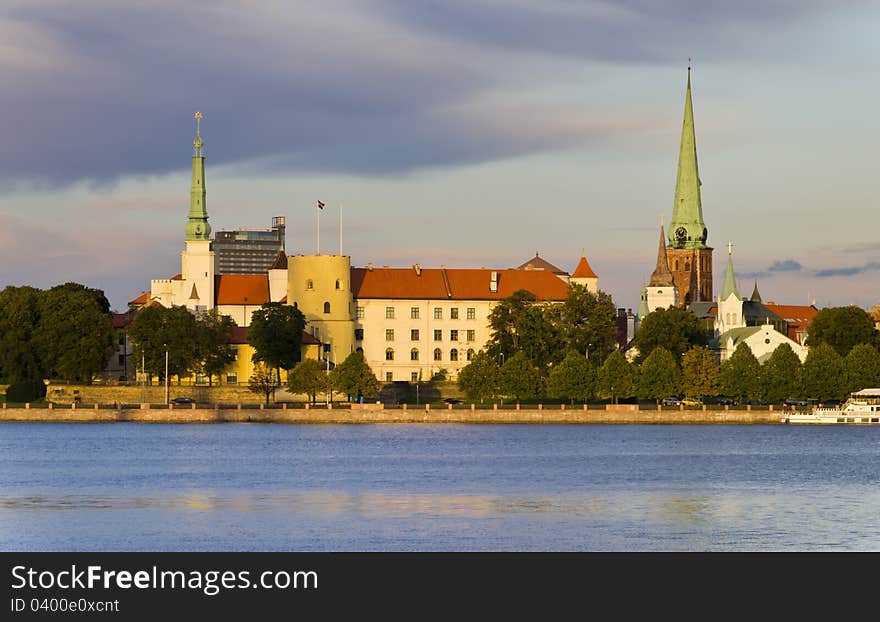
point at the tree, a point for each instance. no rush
(479, 378)
(699, 372)
(675, 329)
(740, 375)
(573, 379)
(587, 322)
(823, 373)
(842, 328)
(518, 378)
(74, 336)
(521, 324)
(263, 381)
(156, 329)
(616, 378)
(19, 320)
(862, 368)
(214, 334)
(781, 375)
(354, 376)
(308, 377)
(275, 333)
(659, 375)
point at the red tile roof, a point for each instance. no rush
(121, 320)
(140, 300)
(797, 317)
(583, 270)
(240, 289)
(453, 283)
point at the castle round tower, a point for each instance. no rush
(320, 286)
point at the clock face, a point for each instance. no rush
(681, 233)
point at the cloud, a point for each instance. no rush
(847, 271)
(784, 265)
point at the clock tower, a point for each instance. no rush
(689, 257)
(197, 261)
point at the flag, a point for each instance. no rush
(320, 205)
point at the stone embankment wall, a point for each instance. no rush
(376, 413)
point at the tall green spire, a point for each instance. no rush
(197, 228)
(687, 229)
(729, 279)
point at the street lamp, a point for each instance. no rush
(166, 374)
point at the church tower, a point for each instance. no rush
(690, 259)
(197, 261)
(730, 302)
(661, 292)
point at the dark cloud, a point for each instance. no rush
(784, 265)
(849, 271)
(100, 89)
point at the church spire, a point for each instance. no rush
(687, 229)
(756, 295)
(197, 228)
(729, 279)
(662, 276)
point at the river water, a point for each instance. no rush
(253, 487)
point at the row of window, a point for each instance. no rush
(414, 313)
(310, 284)
(438, 354)
(415, 334)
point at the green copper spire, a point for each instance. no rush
(643, 303)
(687, 229)
(198, 228)
(756, 295)
(729, 280)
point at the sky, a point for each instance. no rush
(464, 133)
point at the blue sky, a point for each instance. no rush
(466, 133)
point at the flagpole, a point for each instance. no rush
(313, 230)
(340, 229)
(318, 210)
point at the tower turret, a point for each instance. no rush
(197, 228)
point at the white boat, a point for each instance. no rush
(862, 407)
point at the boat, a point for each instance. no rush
(862, 407)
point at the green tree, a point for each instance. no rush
(518, 378)
(275, 333)
(520, 323)
(215, 353)
(75, 336)
(587, 322)
(862, 368)
(616, 378)
(308, 377)
(823, 373)
(574, 378)
(659, 375)
(479, 378)
(354, 376)
(740, 375)
(842, 328)
(19, 320)
(263, 381)
(156, 329)
(781, 375)
(699, 373)
(675, 329)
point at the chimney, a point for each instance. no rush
(370, 266)
(418, 269)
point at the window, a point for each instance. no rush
(360, 313)
(389, 354)
(471, 335)
(453, 335)
(470, 354)
(122, 360)
(326, 307)
(234, 354)
(326, 348)
(438, 313)
(359, 334)
(309, 284)
(389, 334)
(438, 354)
(453, 354)
(389, 313)
(414, 334)
(438, 334)
(453, 313)
(231, 378)
(414, 376)
(201, 379)
(389, 377)
(413, 313)
(414, 354)
(338, 284)
(471, 313)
